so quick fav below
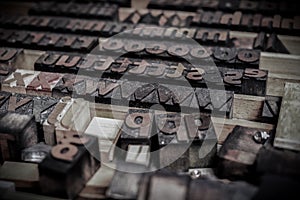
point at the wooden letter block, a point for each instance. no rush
(18, 81)
(71, 163)
(16, 133)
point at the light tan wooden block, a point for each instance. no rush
(288, 127)
(247, 107)
(18, 81)
(24, 175)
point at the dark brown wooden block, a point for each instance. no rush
(137, 129)
(16, 133)
(209, 189)
(69, 166)
(239, 151)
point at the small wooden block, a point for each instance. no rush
(68, 167)
(288, 128)
(16, 133)
(24, 175)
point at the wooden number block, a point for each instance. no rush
(71, 163)
(17, 132)
(239, 151)
(18, 81)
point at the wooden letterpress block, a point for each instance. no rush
(108, 91)
(24, 175)
(209, 189)
(69, 85)
(248, 57)
(271, 109)
(137, 129)
(214, 101)
(247, 107)
(68, 167)
(188, 140)
(174, 142)
(43, 84)
(203, 149)
(138, 154)
(18, 81)
(68, 114)
(16, 133)
(18, 103)
(224, 56)
(254, 82)
(35, 153)
(239, 151)
(165, 186)
(53, 119)
(276, 161)
(106, 131)
(287, 132)
(127, 173)
(4, 96)
(8, 58)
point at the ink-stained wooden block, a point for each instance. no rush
(277, 161)
(210, 189)
(16, 133)
(18, 103)
(185, 141)
(137, 129)
(287, 136)
(24, 175)
(71, 163)
(254, 82)
(215, 101)
(43, 84)
(18, 81)
(239, 152)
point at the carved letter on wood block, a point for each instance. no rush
(16, 133)
(43, 84)
(137, 129)
(18, 81)
(68, 167)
